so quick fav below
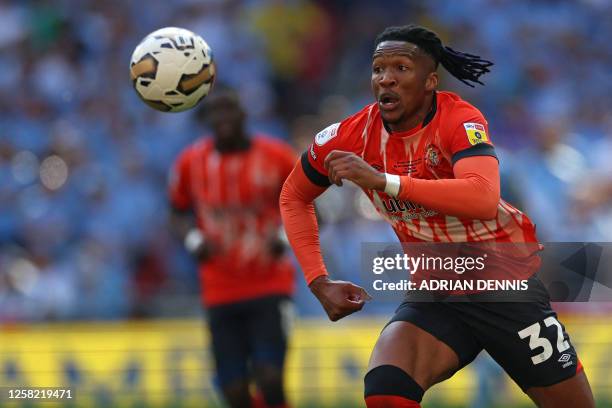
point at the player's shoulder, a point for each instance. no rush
(268, 141)
(462, 127)
(200, 146)
(348, 129)
(456, 110)
(271, 144)
(358, 121)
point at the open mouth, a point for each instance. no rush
(388, 101)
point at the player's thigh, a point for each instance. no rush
(268, 327)
(528, 341)
(426, 342)
(573, 392)
(229, 346)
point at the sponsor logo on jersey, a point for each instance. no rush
(476, 133)
(312, 152)
(327, 134)
(393, 205)
(404, 167)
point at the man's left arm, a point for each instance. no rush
(182, 218)
(475, 190)
(473, 193)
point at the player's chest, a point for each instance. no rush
(418, 157)
(236, 181)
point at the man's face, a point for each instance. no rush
(402, 76)
(226, 118)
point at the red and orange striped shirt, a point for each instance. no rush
(235, 200)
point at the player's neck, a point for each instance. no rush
(238, 144)
(416, 119)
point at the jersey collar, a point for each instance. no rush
(428, 118)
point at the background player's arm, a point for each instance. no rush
(338, 298)
(184, 226)
(182, 219)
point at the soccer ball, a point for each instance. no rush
(172, 69)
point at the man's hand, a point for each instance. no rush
(278, 243)
(198, 246)
(338, 298)
(276, 247)
(347, 165)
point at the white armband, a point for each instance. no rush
(393, 184)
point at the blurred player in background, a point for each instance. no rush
(430, 150)
(232, 182)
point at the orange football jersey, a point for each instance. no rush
(235, 200)
(453, 129)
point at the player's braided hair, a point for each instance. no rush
(464, 67)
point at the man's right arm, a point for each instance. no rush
(338, 298)
(184, 226)
(298, 214)
(182, 219)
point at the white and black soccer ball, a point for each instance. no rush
(172, 69)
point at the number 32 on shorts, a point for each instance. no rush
(535, 341)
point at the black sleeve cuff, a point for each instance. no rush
(312, 174)
(481, 149)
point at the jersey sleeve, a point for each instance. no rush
(298, 214)
(469, 135)
(345, 135)
(179, 182)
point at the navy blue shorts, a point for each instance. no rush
(247, 334)
(525, 338)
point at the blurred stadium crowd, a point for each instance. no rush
(83, 163)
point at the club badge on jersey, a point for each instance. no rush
(432, 156)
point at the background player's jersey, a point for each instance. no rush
(235, 199)
(453, 129)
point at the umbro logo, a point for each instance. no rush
(565, 360)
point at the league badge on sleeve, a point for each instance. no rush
(476, 133)
(327, 134)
